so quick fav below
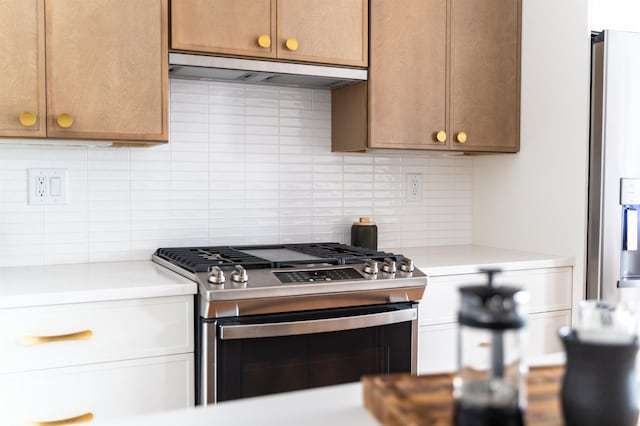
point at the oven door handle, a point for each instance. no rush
(294, 328)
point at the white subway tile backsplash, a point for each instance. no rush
(246, 164)
(294, 132)
(188, 204)
(13, 231)
(328, 203)
(150, 205)
(139, 236)
(181, 240)
(297, 199)
(190, 138)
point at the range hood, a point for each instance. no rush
(201, 67)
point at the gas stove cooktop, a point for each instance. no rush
(202, 259)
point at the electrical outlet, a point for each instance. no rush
(414, 186)
(47, 186)
(40, 187)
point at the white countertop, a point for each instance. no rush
(467, 259)
(23, 286)
(331, 405)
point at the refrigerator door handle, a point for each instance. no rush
(632, 229)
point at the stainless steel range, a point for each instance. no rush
(286, 317)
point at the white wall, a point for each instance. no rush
(536, 200)
(245, 164)
(615, 15)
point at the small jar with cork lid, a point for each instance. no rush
(364, 233)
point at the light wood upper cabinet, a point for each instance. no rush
(107, 69)
(327, 31)
(323, 31)
(22, 84)
(443, 75)
(485, 74)
(233, 27)
(407, 74)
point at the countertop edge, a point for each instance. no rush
(505, 266)
(48, 285)
(92, 296)
(469, 258)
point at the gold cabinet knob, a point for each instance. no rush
(292, 44)
(461, 137)
(64, 120)
(441, 136)
(28, 118)
(264, 41)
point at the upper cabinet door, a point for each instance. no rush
(407, 74)
(485, 75)
(233, 27)
(107, 69)
(324, 31)
(22, 79)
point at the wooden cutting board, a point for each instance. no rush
(404, 400)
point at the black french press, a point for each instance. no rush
(490, 384)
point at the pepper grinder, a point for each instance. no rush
(599, 386)
(490, 384)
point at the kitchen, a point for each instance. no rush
(125, 204)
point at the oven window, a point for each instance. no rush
(260, 366)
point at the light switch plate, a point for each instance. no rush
(47, 186)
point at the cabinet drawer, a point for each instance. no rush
(65, 335)
(438, 346)
(104, 391)
(549, 289)
(543, 332)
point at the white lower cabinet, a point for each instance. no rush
(549, 307)
(99, 391)
(85, 333)
(64, 364)
(438, 346)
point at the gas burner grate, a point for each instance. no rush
(200, 259)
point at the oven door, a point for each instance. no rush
(265, 354)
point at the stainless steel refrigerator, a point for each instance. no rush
(613, 255)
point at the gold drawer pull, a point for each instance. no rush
(484, 345)
(264, 41)
(291, 44)
(84, 418)
(28, 118)
(64, 120)
(36, 340)
(441, 136)
(461, 137)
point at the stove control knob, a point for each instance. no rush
(239, 275)
(406, 265)
(216, 276)
(389, 266)
(370, 267)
